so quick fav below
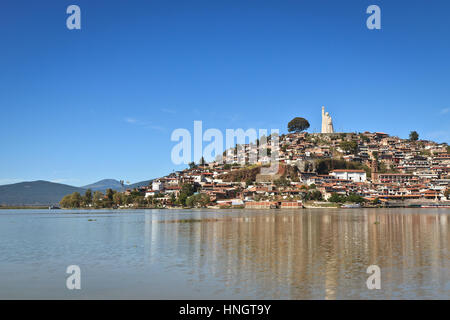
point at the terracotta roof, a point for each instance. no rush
(347, 170)
(394, 174)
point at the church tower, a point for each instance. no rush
(374, 170)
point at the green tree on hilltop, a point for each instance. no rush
(413, 136)
(298, 124)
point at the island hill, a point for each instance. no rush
(315, 169)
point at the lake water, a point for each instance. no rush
(225, 254)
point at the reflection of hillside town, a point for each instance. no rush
(311, 255)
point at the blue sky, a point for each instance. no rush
(77, 106)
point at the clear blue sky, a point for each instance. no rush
(77, 106)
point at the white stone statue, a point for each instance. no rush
(327, 123)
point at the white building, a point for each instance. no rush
(151, 193)
(348, 174)
(157, 185)
(199, 178)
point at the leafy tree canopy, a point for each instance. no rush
(349, 146)
(413, 136)
(298, 124)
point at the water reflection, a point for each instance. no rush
(225, 254)
(314, 254)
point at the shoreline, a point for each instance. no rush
(437, 206)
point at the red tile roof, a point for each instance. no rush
(347, 170)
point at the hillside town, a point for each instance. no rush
(325, 169)
(378, 168)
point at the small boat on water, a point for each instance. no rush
(351, 205)
(53, 207)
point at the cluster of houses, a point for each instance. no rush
(389, 169)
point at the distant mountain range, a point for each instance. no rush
(35, 193)
(104, 184)
(39, 193)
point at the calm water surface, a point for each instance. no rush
(228, 254)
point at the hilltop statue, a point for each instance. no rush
(327, 123)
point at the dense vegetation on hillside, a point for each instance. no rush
(325, 166)
(245, 174)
